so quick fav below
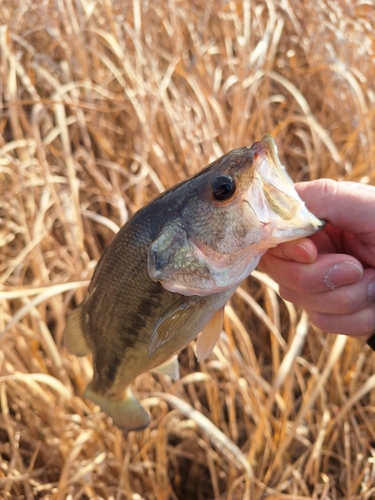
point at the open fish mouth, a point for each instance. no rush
(273, 196)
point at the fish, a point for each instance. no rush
(167, 275)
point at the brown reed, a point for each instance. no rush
(106, 104)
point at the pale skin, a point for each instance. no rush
(332, 273)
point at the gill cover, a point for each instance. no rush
(174, 255)
(182, 267)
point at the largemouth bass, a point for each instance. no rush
(167, 275)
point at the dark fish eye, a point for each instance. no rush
(222, 187)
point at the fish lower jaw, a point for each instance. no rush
(283, 234)
(302, 225)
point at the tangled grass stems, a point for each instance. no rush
(106, 104)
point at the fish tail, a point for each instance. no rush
(74, 337)
(127, 414)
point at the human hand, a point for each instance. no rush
(332, 273)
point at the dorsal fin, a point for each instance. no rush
(74, 337)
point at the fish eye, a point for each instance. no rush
(222, 187)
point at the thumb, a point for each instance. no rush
(346, 205)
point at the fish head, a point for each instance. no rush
(229, 215)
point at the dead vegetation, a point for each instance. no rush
(106, 104)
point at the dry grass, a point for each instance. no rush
(105, 104)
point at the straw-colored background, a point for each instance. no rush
(104, 105)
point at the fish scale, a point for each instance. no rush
(126, 310)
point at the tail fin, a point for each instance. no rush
(74, 337)
(127, 414)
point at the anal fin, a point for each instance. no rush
(170, 368)
(74, 337)
(127, 414)
(210, 335)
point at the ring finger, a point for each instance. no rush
(360, 324)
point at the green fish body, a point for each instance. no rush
(167, 275)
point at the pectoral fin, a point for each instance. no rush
(74, 337)
(171, 321)
(127, 414)
(210, 335)
(170, 368)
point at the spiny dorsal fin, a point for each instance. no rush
(74, 337)
(171, 321)
(170, 368)
(210, 335)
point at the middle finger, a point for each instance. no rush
(346, 299)
(327, 272)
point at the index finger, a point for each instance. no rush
(327, 272)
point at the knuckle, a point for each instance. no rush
(328, 187)
(302, 281)
(349, 303)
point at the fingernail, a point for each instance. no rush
(343, 274)
(297, 252)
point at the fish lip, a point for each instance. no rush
(268, 143)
